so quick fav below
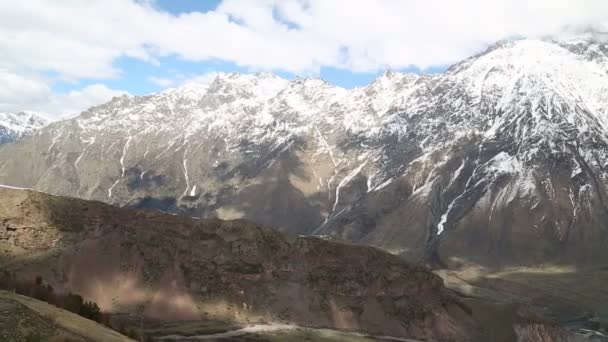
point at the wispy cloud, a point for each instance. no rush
(70, 104)
(161, 82)
(183, 79)
(17, 93)
(205, 78)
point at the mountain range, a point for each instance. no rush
(500, 160)
(14, 126)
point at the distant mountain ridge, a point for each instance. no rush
(500, 160)
(14, 126)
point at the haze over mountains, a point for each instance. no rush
(498, 161)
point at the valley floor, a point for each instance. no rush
(574, 298)
(213, 330)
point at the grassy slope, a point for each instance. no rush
(67, 324)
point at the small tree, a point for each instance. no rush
(91, 311)
(72, 303)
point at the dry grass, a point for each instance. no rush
(66, 320)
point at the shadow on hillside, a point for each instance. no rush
(272, 201)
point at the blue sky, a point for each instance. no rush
(185, 6)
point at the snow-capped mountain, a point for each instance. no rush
(501, 159)
(14, 126)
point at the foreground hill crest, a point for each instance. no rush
(171, 268)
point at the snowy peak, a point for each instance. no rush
(549, 60)
(13, 126)
(590, 37)
(22, 121)
(393, 81)
(260, 85)
(389, 90)
(191, 90)
(550, 81)
(592, 47)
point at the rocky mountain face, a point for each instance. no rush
(500, 160)
(14, 126)
(170, 267)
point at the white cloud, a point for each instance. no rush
(17, 91)
(83, 39)
(161, 82)
(203, 79)
(183, 79)
(61, 106)
(18, 94)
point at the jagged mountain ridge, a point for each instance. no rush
(501, 159)
(14, 126)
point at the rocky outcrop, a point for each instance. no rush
(171, 267)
